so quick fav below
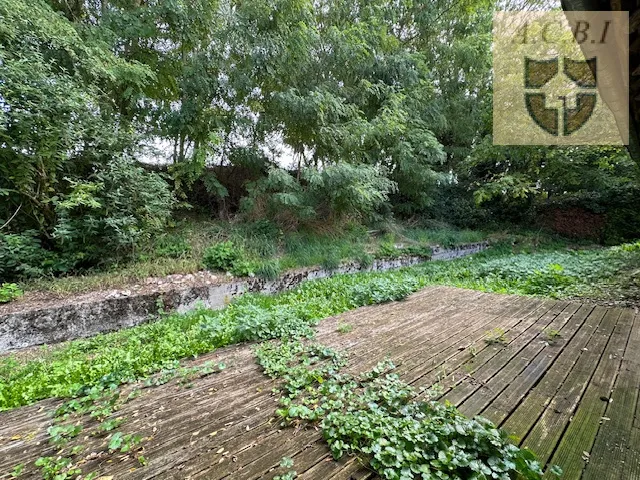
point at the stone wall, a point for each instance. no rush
(75, 319)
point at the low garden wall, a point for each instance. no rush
(84, 317)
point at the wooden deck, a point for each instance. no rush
(574, 401)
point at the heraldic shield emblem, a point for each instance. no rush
(560, 78)
(561, 121)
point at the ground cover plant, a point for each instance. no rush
(377, 416)
(152, 353)
(9, 292)
(607, 273)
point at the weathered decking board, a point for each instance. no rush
(553, 396)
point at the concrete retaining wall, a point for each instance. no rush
(36, 326)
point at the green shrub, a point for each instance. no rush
(244, 268)
(22, 256)
(222, 256)
(9, 292)
(631, 247)
(111, 213)
(337, 192)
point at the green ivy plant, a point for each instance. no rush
(377, 416)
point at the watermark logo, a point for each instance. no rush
(560, 78)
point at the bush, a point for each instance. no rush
(221, 256)
(112, 212)
(337, 192)
(9, 292)
(23, 256)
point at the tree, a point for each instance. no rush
(56, 117)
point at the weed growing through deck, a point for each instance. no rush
(552, 335)
(100, 403)
(496, 336)
(17, 470)
(377, 416)
(344, 328)
(57, 468)
(286, 462)
(78, 369)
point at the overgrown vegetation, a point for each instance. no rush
(101, 403)
(294, 137)
(139, 351)
(373, 414)
(259, 247)
(9, 292)
(315, 135)
(376, 415)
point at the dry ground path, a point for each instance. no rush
(562, 377)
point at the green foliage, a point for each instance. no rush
(99, 402)
(172, 246)
(108, 215)
(631, 247)
(22, 256)
(17, 470)
(496, 336)
(364, 259)
(516, 183)
(57, 468)
(552, 335)
(224, 256)
(331, 261)
(336, 192)
(113, 211)
(269, 269)
(123, 443)
(137, 352)
(344, 328)
(57, 116)
(142, 350)
(381, 290)
(9, 292)
(375, 415)
(59, 435)
(389, 250)
(286, 476)
(441, 233)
